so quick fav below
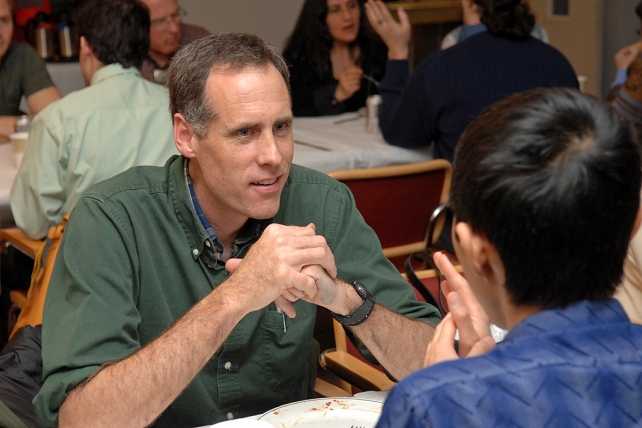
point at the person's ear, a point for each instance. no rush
(184, 136)
(85, 47)
(638, 221)
(480, 253)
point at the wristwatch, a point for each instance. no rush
(363, 312)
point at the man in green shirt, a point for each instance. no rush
(185, 295)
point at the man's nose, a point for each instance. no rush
(174, 27)
(269, 150)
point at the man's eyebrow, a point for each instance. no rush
(287, 119)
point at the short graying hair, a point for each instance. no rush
(191, 67)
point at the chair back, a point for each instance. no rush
(31, 313)
(397, 202)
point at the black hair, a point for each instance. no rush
(116, 30)
(638, 10)
(507, 18)
(310, 41)
(552, 178)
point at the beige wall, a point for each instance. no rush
(578, 36)
(273, 20)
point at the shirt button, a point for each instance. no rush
(230, 416)
(228, 365)
(208, 244)
(195, 252)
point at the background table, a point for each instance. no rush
(333, 142)
(322, 143)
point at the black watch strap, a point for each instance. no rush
(363, 312)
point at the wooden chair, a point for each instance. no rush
(27, 307)
(398, 201)
(346, 363)
(14, 237)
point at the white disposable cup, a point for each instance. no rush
(19, 145)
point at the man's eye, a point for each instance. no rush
(244, 132)
(280, 126)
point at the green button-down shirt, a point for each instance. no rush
(119, 121)
(135, 257)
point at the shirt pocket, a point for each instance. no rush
(286, 351)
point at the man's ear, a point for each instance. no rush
(184, 136)
(85, 47)
(480, 253)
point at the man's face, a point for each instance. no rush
(6, 27)
(245, 159)
(164, 33)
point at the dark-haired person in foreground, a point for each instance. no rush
(118, 121)
(545, 195)
(184, 295)
(450, 88)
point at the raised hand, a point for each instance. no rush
(349, 83)
(441, 347)
(466, 311)
(625, 56)
(396, 35)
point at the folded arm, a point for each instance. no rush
(137, 389)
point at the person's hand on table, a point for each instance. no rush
(396, 35)
(625, 56)
(271, 270)
(349, 83)
(466, 315)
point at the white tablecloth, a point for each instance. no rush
(344, 144)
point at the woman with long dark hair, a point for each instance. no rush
(451, 87)
(336, 60)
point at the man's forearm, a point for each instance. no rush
(399, 343)
(7, 127)
(133, 392)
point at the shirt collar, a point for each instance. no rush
(111, 70)
(585, 312)
(252, 229)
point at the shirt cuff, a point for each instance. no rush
(620, 77)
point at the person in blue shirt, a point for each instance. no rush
(545, 196)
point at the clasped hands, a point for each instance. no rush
(288, 263)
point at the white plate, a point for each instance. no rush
(326, 412)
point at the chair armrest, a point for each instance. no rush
(354, 371)
(16, 237)
(326, 389)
